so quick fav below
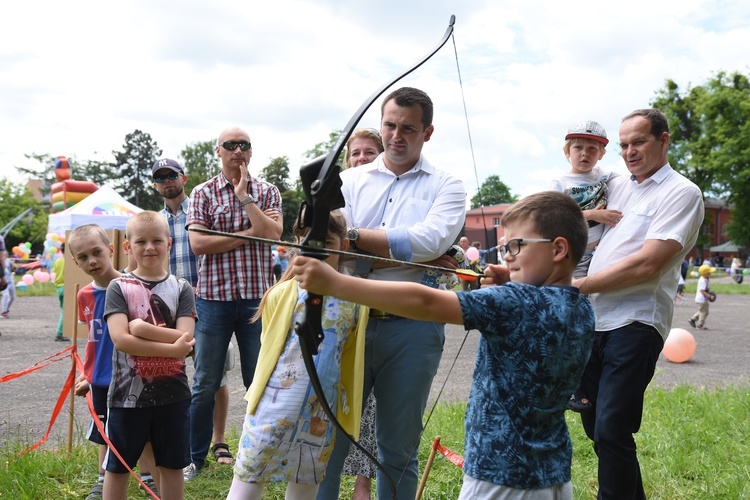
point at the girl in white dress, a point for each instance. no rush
(286, 436)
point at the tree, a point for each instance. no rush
(493, 192)
(17, 198)
(134, 164)
(45, 170)
(710, 130)
(277, 173)
(199, 161)
(323, 148)
(98, 172)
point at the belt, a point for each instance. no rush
(378, 314)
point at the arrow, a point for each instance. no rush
(465, 274)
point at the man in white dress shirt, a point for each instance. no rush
(400, 206)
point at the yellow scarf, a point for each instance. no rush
(278, 312)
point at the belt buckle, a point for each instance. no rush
(378, 314)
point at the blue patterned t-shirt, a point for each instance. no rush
(535, 343)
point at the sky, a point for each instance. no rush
(77, 77)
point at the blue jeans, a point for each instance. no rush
(621, 366)
(401, 359)
(217, 320)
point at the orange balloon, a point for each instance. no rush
(680, 346)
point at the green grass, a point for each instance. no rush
(720, 288)
(37, 289)
(693, 443)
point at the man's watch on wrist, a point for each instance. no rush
(247, 200)
(352, 235)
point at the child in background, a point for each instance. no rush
(679, 297)
(151, 317)
(537, 332)
(702, 297)
(58, 267)
(9, 294)
(587, 185)
(286, 435)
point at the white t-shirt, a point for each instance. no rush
(589, 190)
(702, 287)
(666, 206)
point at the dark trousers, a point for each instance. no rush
(621, 366)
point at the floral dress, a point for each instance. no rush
(288, 437)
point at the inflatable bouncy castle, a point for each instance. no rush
(66, 192)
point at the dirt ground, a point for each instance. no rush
(26, 403)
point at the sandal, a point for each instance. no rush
(220, 454)
(579, 403)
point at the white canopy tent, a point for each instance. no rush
(729, 246)
(103, 207)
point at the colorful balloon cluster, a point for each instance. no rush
(22, 250)
(52, 252)
(52, 244)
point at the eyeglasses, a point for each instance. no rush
(172, 176)
(514, 246)
(232, 145)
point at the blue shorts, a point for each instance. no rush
(99, 399)
(167, 427)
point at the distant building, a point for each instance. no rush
(483, 224)
(35, 186)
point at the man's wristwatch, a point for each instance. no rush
(352, 235)
(247, 200)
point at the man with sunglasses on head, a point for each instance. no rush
(232, 278)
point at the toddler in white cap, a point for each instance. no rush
(586, 183)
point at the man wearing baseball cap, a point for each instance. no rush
(169, 181)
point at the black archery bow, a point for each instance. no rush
(322, 187)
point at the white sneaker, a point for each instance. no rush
(190, 472)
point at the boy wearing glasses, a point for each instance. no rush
(537, 332)
(233, 276)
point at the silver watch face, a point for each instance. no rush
(353, 234)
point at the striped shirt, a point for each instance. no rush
(182, 261)
(242, 273)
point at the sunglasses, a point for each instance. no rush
(232, 145)
(173, 176)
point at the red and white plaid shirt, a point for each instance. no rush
(242, 273)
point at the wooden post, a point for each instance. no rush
(427, 467)
(73, 389)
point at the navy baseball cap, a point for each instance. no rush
(168, 164)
